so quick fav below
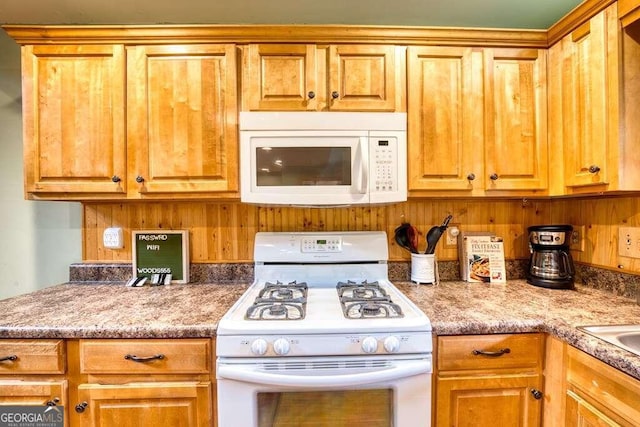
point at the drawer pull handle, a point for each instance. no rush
(53, 402)
(80, 407)
(537, 394)
(11, 358)
(135, 358)
(498, 353)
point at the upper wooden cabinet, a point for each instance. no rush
(593, 94)
(182, 119)
(628, 11)
(477, 121)
(300, 77)
(74, 120)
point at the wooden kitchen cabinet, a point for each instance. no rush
(74, 121)
(477, 121)
(32, 372)
(182, 120)
(488, 380)
(309, 77)
(628, 11)
(595, 122)
(142, 382)
(598, 394)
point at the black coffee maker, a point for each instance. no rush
(550, 265)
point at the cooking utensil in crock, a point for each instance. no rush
(434, 234)
(403, 237)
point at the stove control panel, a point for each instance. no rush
(321, 244)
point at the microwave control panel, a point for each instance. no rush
(384, 153)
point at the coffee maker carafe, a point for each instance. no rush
(550, 265)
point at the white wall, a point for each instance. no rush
(38, 240)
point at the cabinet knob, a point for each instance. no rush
(311, 94)
(493, 177)
(594, 169)
(53, 402)
(335, 94)
(80, 407)
(116, 178)
(537, 394)
(471, 176)
(139, 179)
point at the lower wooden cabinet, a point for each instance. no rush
(141, 382)
(489, 380)
(598, 394)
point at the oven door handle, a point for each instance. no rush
(402, 370)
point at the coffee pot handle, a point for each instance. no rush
(568, 262)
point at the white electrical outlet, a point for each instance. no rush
(112, 238)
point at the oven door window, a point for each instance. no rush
(303, 166)
(348, 408)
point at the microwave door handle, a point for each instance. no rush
(363, 165)
(403, 370)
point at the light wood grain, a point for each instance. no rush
(33, 357)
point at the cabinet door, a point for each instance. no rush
(74, 123)
(581, 413)
(362, 78)
(145, 404)
(182, 119)
(585, 108)
(281, 78)
(515, 152)
(504, 400)
(445, 118)
(45, 393)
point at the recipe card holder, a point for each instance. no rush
(424, 269)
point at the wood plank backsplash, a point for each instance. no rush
(224, 232)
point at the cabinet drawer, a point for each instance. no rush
(32, 356)
(466, 352)
(188, 356)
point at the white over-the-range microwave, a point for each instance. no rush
(323, 158)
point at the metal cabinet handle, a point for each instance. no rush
(493, 177)
(498, 353)
(116, 178)
(335, 94)
(80, 407)
(311, 94)
(135, 358)
(139, 179)
(537, 394)
(53, 402)
(471, 176)
(11, 358)
(594, 169)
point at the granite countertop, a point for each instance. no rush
(179, 311)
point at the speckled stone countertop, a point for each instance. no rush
(455, 308)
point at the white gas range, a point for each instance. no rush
(323, 318)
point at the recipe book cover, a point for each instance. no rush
(484, 259)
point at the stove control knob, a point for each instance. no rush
(369, 345)
(259, 347)
(281, 346)
(392, 344)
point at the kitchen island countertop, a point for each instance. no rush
(455, 308)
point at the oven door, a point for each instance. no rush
(304, 167)
(325, 391)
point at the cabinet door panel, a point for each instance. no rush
(74, 125)
(36, 392)
(581, 413)
(488, 401)
(280, 77)
(182, 118)
(445, 123)
(146, 404)
(515, 119)
(362, 78)
(585, 103)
